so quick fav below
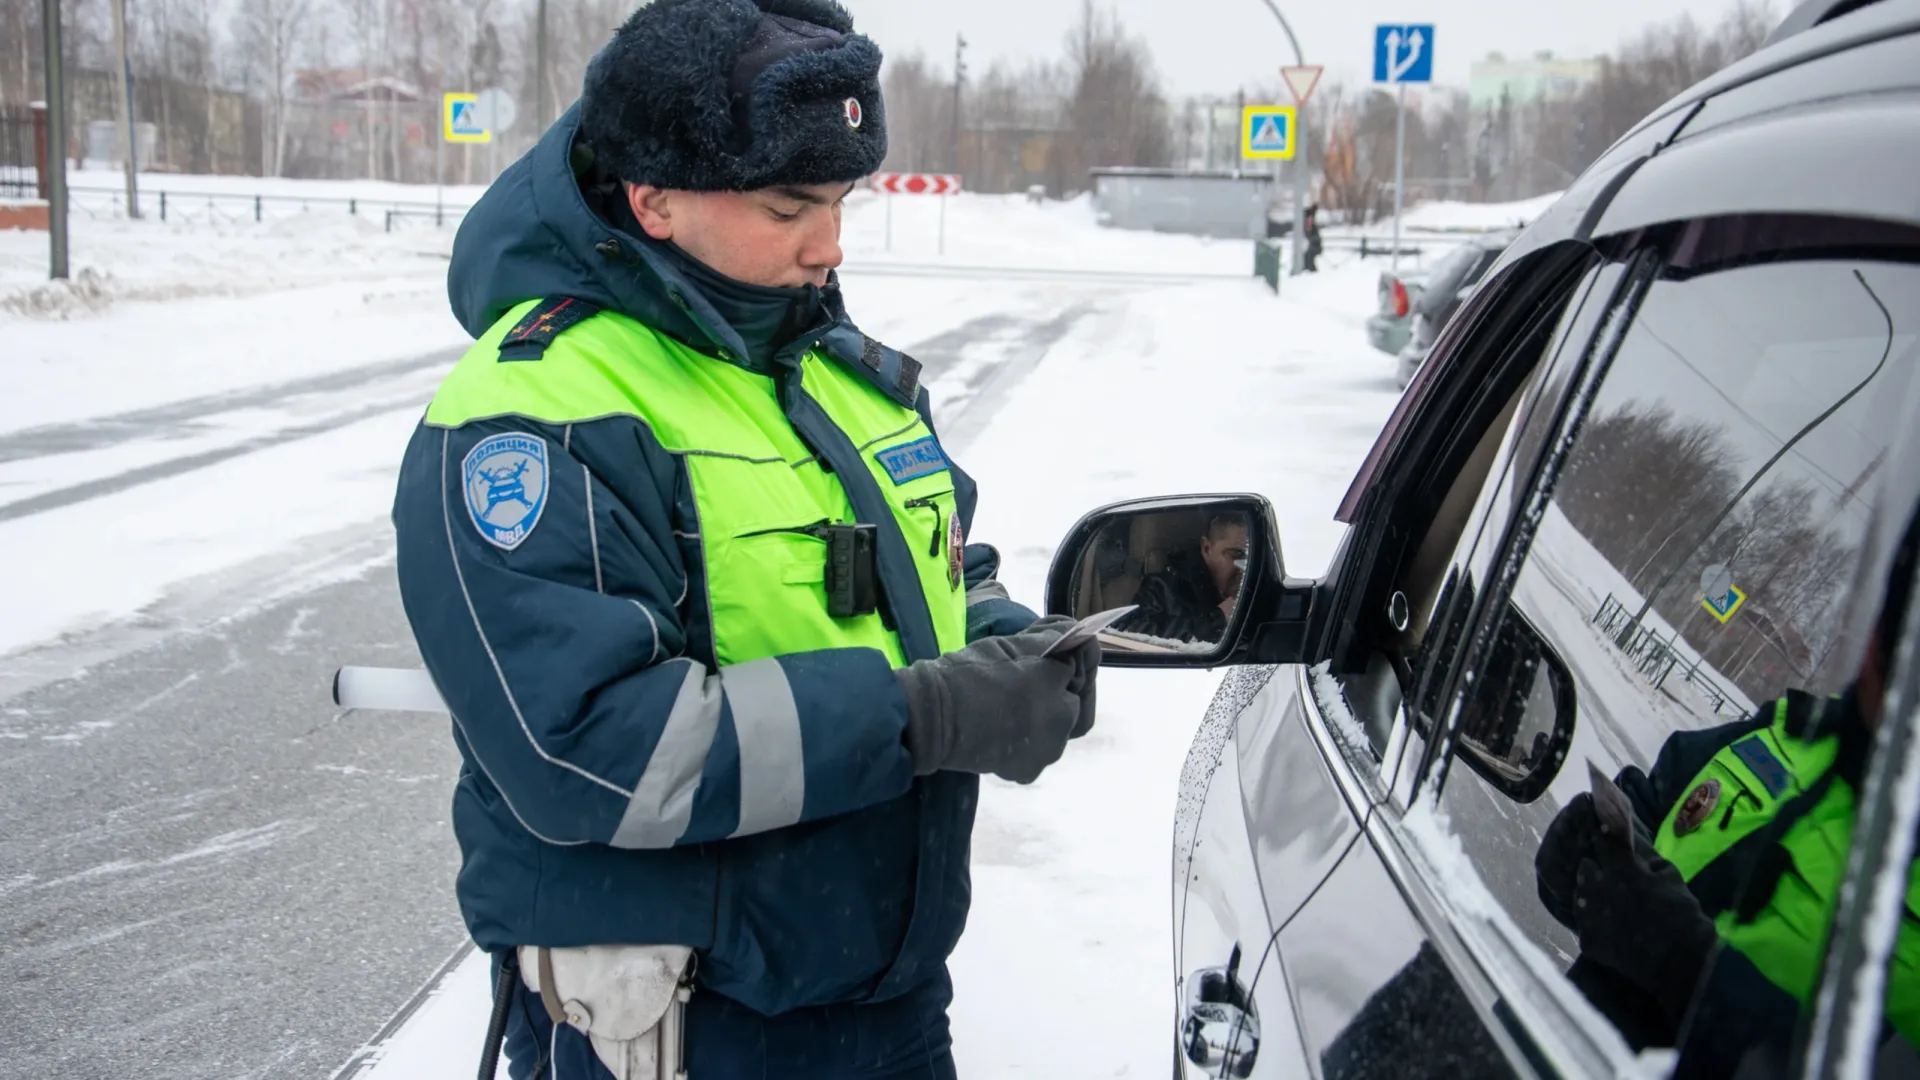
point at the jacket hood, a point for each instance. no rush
(534, 234)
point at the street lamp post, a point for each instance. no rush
(1299, 157)
(56, 142)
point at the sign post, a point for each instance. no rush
(1300, 79)
(891, 184)
(461, 122)
(1402, 54)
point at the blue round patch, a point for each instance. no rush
(505, 477)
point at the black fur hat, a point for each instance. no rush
(735, 95)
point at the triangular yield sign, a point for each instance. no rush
(1302, 80)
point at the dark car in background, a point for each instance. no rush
(1701, 366)
(1404, 293)
(1445, 287)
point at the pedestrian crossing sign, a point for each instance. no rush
(461, 121)
(1724, 604)
(1267, 132)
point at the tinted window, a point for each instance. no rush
(1694, 560)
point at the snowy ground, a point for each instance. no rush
(233, 399)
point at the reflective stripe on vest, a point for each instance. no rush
(756, 486)
(1786, 940)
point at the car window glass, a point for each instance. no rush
(1691, 567)
(1440, 580)
(1375, 695)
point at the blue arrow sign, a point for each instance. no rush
(1403, 54)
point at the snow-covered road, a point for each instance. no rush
(195, 468)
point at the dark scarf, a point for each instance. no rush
(766, 318)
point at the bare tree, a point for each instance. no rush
(267, 32)
(1116, 112)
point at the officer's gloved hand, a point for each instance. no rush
(998, 706)
(1576, 834)
(1569, 839)
(1635, 914)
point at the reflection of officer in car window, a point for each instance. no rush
(1192, 598)
(1716, 910)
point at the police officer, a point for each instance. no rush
(1708, 926)
(688, 562)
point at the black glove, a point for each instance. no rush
(998, 706)
(1636, 915)
(1576, 834)
(1568, 841)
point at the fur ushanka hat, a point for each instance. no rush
(735, 95)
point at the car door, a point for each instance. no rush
(1370, 963)
(1276, 798)
(1730, 421)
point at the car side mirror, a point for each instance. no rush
(1516, 720)
(1203, 574)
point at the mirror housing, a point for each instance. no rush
(1105, 560)
(1515, 726)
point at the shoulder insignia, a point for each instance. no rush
(891, 371)
(551, 317)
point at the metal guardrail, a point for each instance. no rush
(1657, 659)
(236, 206)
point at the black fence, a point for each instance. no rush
(238, 207)
(19, 169)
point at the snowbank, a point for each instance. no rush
(1476, 217)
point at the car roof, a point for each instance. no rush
(1814, 29)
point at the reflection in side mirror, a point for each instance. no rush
(1186, 565)
(1516, 723)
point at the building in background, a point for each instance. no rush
(1526, 81)
(1528, 125)
(1222, 204)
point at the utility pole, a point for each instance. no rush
(56, 141)
(959, 73)
(540, 69)
(1300, 155)
(123, 90)
(1399, 169)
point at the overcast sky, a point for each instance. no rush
(1216, 46)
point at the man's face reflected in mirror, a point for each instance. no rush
(1224, 550)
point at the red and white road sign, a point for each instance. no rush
(1302, 80)
(916, 183)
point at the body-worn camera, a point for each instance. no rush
(851, 570)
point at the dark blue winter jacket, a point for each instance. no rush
(562, 659)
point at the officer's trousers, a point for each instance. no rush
(902, 1039)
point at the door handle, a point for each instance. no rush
(1221, 1031)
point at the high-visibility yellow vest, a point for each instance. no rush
(760, 492)
(1738, 792)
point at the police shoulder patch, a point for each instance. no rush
(913, 460)
(505, 479)
(529, 338)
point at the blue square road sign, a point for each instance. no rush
(1403, 53)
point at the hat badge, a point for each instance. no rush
(854, 115)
